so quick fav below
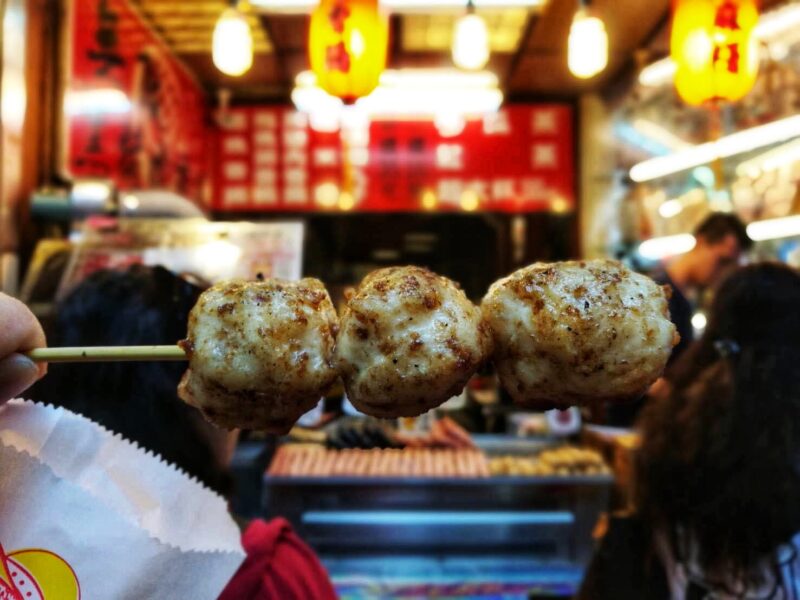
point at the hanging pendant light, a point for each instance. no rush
(232, 43)
(471, 41)
(587, 47)
(714, 46)
(348, 42)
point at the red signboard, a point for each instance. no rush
(133, 113)
(517, 160)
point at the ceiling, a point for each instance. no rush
(528, 45)
(187, 25)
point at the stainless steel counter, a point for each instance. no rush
(545, 519)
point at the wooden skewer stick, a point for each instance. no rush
(107, 354)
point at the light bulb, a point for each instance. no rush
(232, 45)
(470, 201)
(346, 201)
(665, 247)
(326, 194)
(671, 208)
(699, 321)
(429, 200)
(471, 42)
(449, 124)
(587, 52)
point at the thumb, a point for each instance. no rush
(17, 373)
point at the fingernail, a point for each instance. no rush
(17, 373)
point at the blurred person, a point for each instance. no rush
(140, 306)
(720, 241)
(144, 306)
(717, 478)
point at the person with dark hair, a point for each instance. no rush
(717, 476)
(144, 306)
(140, 306)
(720, 240)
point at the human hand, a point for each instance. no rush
(19, 332)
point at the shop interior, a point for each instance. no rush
(221, 140)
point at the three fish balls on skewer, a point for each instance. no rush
(263, 353)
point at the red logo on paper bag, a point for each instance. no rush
(36, 574)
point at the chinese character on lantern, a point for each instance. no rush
(347, 46)
(337, 16)
(337, 58)
(714, 48)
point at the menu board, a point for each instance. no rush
(519, 159)
(133, 113)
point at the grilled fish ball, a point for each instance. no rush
(578, 332)
(410, 339)
(261, 353)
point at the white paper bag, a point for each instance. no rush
(87, 514)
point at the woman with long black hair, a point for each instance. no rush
(717, 477)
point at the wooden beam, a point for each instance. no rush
(620, 84)
(280, 52)
(176, 8)
(197, 47)
(521, 45)
(178, 35)
(41, 135)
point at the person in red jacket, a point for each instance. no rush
(716, 481)
(143, 306)
(279, 565)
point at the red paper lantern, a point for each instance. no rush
(715, 49)
(347, 46)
